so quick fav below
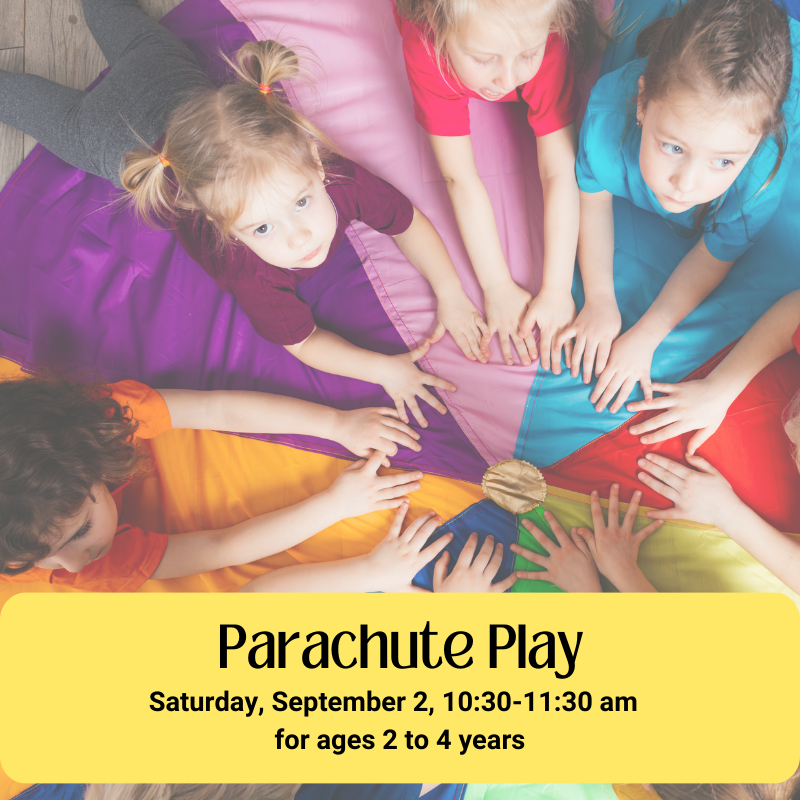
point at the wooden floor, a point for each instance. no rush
(49, 38)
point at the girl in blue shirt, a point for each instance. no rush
(701, 130)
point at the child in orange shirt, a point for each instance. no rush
(67, 450)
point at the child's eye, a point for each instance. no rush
(82, 532)
(722, 163)
(304, 203)
(482, 63)
(263, 230)
(671, 149)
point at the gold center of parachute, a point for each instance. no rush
(516, 486)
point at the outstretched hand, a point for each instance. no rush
(700, 492)
(505, 306)
(470, 575)
(359, 489)
(402, 553)
(594, 331)
(404, 382)
(569, 563)
(629, 363)
(553, 312)
(459, 317)
(691, 406)
(364, 430)
(613, 545)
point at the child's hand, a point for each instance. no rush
(469, 575)
(693, 406)
(359, 489)
(461, 319)
(553, 312)
(594, 331)
(700, 494)
(505, 306)
(615, 547)
(404, 383)
(365, 430)
(399, 557)
(569, 565)
(629, 363)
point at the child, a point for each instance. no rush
(611, 548)
(255, 192)
(505, 50)
(66, 454)
(393, 563)
(702, 130)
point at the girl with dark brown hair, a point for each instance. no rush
(702, 130)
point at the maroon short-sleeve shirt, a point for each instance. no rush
(268, 293)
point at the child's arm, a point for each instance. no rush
(362, 431)
(599, 321)
(569, 563)
(701, 405)
(390, 567)
(553, 309)
(357, 490)
(505, 301)
(698, 274)
(703, 495)
(615, 547)
(398, 375)
(424, 248)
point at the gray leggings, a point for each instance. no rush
(152, 72)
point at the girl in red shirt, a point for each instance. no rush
(505, 50)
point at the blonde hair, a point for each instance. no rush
(574, 20)
(190, 791)
(221, 143)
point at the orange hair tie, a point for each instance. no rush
(264, 88)
(164, 162)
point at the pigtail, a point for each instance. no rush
(144, 177)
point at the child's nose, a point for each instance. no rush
(299, 236)
(684, 179)
(505, 78)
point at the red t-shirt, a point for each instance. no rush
(796, 340)
(135, 554)
(266, 292)
(441, 102)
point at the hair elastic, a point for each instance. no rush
(164, 162)
(264, 88)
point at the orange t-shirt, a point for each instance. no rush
(135, 554)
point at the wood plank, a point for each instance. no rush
(11, 144)
(59, 46)
(12, 23)
(156, 8)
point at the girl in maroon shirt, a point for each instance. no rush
(261, 198)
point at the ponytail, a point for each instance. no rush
(220, 142)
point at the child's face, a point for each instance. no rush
(688, 156)
(290, 222)
(87, 536)
(492, 61)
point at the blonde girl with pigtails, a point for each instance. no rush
(255, 192)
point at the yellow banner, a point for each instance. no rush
(396, 688)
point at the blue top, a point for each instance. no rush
(608, 159)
